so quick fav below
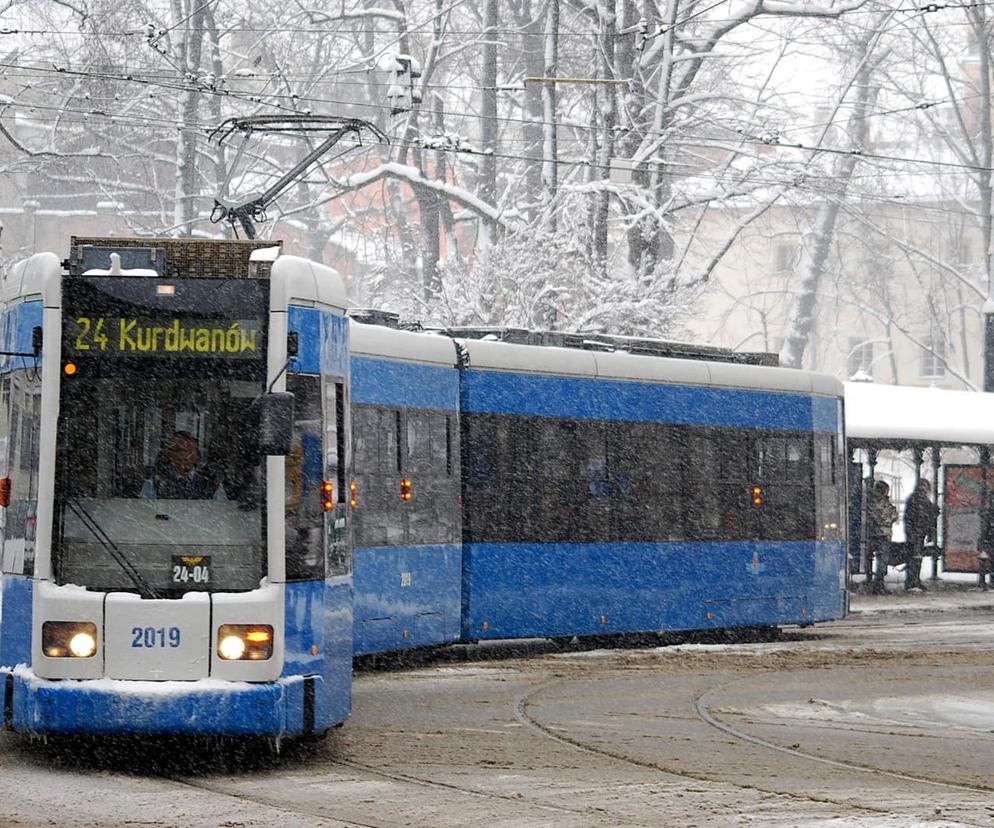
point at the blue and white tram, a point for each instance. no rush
(601, 493)
(176, 554)
(407, 523)
(616, 492)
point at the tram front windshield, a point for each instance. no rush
(159, 487)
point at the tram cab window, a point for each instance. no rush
(162, 468)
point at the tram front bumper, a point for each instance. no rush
(195, 708)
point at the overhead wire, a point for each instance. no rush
(806, 184)
(260, 98)
(177, 84)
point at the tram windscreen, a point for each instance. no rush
(159, 483)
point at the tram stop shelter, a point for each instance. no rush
(901, 434)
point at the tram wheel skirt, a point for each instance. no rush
(276, 709)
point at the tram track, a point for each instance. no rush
(701, 709)
(476, 792)
(532, 723)
(406, 779)
(295, 809)
(702, 712)
(702, 703)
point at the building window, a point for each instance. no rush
(860, 360)
(785, 254)
(933, 363)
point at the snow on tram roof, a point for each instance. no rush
(901, 414)
(390, 343)
(383, 339)
(573, 362)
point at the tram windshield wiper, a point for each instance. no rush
(145, 589)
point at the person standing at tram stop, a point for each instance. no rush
(919, 524)
(178, 475)
(882, 515)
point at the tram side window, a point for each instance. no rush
(573, 469)
(449, 448)
(739, 515)
(785, 475)
(524, 484)
(830, 516)
(479, 475)
(798, 452)
(799, 482)
(701, 493)
(304, 514)
(375, 462)
(339, 556)
(366, 438)
(390, 456)
(645, 481)
(438, 426)
(418, 452)
(504, 496)
(418, 513)
(22, 466)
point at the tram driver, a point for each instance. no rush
(179, 475)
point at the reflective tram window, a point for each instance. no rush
(22, 398)
(546, 480)
(338, 549)
(304, 476)
(164, 470)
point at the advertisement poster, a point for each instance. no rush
(961, 516)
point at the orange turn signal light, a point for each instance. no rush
(327, 495)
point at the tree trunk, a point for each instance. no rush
(186, 144)
(530, 21)
(801, 318)
(550, 141)
(488, 107)
(607, 99)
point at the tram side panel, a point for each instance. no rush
(584, 514)
(407, 518)
(318, 469)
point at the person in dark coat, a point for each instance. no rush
(919, 525)
(882, 515)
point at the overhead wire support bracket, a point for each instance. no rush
(251, 209)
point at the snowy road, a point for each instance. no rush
(886, 719)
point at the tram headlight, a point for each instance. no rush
(69, 639)
(245, 642)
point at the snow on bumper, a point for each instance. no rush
(111, 706)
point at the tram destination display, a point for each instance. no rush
(167, 336)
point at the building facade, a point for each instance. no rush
(899, 299)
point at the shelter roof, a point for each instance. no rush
(900, 416)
